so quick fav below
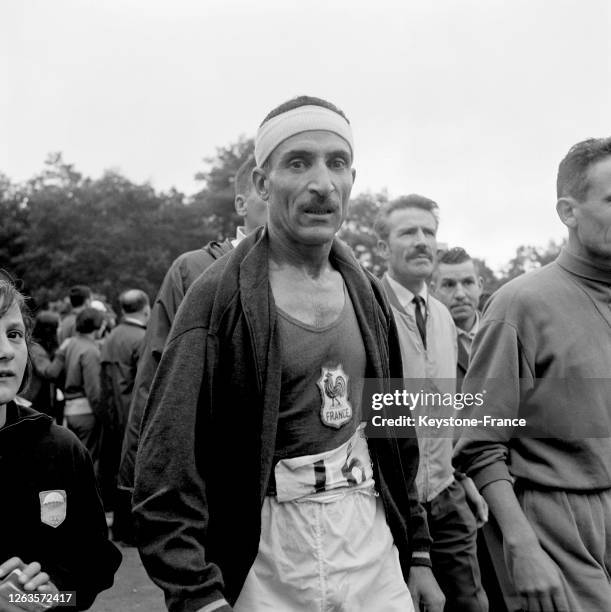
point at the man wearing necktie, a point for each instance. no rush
(407, 240)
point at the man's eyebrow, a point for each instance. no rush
(339, 153)
(296, 153)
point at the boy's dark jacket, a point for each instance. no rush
(37, 455)
(209, 429)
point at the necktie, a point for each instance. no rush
(420, 320)
(463, 354)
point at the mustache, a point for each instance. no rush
(320, 204)
(421, 252)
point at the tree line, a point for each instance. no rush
(61, 228)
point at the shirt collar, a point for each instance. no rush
(405, 296)
(582, 267)
(239, 236)
(471, 333)
(133, 322)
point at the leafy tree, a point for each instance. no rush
(491, 282)
(13, 224)
(530, 257)
(108, 233)
(216, 200)
(357, 230)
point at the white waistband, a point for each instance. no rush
(77, 406)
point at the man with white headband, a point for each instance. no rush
(256, 488)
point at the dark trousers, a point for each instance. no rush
(89, 431)
(123, 524)
(454, 551)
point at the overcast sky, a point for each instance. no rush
(471, 103)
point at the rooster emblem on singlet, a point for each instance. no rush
(336, 409)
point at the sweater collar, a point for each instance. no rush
(584, 268)
(20, 421)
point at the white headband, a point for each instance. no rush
(295, 121)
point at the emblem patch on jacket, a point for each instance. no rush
(336, 409)
(53, 507)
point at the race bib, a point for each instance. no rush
(349, 465)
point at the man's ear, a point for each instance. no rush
(383, 250)
(240, 205)
(261, 183)
(565, 207)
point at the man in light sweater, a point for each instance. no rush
(407, 239)
(543, 354)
